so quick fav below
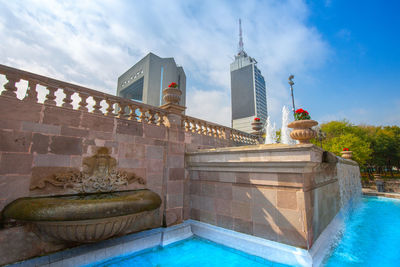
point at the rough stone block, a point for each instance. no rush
(174, 200)
(208, 217)
(173, 216)
(241, 210)
(195, 214)
(155, 179)
(131, 163)
(176, 148)
(242, 193)
(66, 145)
(103, 135)
(287, 199)
(175, 161)
(41, 128)
(175, 187)
(176, 173)
(76, 132)
(131, 151)
(290, 220)
(243, 226)
(14, 141)
(15, 109)
(225, 221)
(207, 204)
(264, 214)
(40, 143)
(51, 160)
(223, 206)
(195, 188)
(97, 122)
(265, 231)
(292, 237)
(155, 152)
(223, 191)
(264, 196)
(227, 177)
(208, 176)
(13, 187)
(10, 124)
(154, 131)
(15, 163)
(207, 189)
(61, 116)
(129, 127)
(154, 165)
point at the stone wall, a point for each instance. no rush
(38, 140)
(282, 193)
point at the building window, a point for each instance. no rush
(134, 91)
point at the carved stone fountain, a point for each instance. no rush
(98, 210)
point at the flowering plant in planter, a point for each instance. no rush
(257, 119)
(345, 149)
(301, 114)
(173, 85)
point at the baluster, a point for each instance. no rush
(110, 108)
(151, 117)
(160, 119)
(83, 103)
(187, 126)
(200, 129)
(97, 106)
(10, 85)
(132, 114)
(31, 93)
(67, 99)
(121, 110)
(142, 114)
(50, 97)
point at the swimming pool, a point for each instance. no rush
(371, 237)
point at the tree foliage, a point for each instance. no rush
(371, 145)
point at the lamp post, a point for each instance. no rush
(291, 77)
(321, 136)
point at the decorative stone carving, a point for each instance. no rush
(99, 175)
(302, 130)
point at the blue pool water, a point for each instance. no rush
(191, 252)
(371, 236)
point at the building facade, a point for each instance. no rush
(145, 81)
(248, 91)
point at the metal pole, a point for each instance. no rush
(291, 77)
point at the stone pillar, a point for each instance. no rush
(174, 176)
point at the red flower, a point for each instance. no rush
(345, 149)
(173, 85)
(257, 119)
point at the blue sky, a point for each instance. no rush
(344, 54)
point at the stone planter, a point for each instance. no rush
(257, 127)
(302, 130)
(347, 154)
(380, 185)
(172, 95)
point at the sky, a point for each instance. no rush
(345, 55)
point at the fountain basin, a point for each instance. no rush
(84, 217)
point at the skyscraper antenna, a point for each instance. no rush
(240, 38)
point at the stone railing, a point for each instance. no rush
(89, 99)
(202, 127)
(86, 99)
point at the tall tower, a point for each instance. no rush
(248, 92)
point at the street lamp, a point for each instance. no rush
(291, 77)
(321, 136)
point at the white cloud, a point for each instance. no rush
(93, 42)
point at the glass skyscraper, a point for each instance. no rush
(248, 92)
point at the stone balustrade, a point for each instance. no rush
(89, 99)
(202, 127)
(108, 105)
